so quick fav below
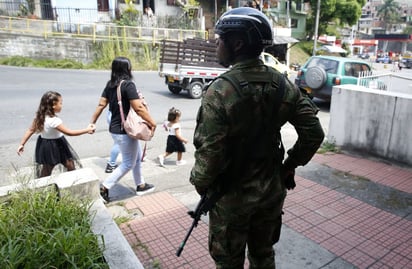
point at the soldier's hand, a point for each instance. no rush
(201, 190)
(288, 177)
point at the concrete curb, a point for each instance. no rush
(117, 252)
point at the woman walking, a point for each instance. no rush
(129, 147)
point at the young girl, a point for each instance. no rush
(52, 147)
(175, 139)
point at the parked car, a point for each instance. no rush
(364, 55)
(384, 59)
(270, 60)
(407, 63)
(320, 73)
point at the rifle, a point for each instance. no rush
(204, 205)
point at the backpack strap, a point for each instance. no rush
(237, 79)
(119, 101)
(269, 105)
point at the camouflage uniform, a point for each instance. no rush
(228, 154)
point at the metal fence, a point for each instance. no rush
(95, 31)
(389, 81)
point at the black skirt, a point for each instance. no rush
(174, 145)
(54, 151)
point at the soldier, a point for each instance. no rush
(238, 145)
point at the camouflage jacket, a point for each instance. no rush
(229, 129)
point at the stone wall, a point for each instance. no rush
(46, 48)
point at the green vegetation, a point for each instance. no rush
(389, 13)
(39, 229)
(130, 15)
(340, 12)
(300, 52)
(122, 219)
(328, 147)
(28, 62)
(106, 51)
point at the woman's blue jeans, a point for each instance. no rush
(114, 151)
(131, 160)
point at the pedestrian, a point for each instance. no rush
(130, 148)
(114, 151)
(52, 148)
(175, 140)
(238, 143)
(148, 11)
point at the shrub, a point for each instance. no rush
(38, 229)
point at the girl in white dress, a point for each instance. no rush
(175, 140)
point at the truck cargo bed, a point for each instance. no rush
(190, 52)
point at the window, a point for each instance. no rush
(330, 66)
(294, 23)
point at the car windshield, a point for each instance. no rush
(330, 66)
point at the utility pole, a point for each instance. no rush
(316, 28)
(216, 18)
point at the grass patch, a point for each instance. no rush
(328, 147)
(122, 219)
(28, 62)
(299, 53)
(39, 229)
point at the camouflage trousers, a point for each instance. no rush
(235, 224)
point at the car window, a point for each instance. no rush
(355, 69)
(349, 70)
(330, 66)
(365, 68)
(269, 60)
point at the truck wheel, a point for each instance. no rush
(315, 77)
(195, 89)
(174, 89)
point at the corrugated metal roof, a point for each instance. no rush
(284, 40)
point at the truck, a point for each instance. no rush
(190, 64)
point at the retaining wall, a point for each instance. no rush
(372, 121)
(36, 47)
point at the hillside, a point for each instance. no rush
(298, 55)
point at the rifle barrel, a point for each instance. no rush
(182, 245)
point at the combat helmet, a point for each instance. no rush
(249, 21)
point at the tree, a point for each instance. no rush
(341, 12)
(388, 12)
(408, 30)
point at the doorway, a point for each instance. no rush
(146, 4)
(46, 10)
(103, 5)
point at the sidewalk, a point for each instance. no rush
(346, 212)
